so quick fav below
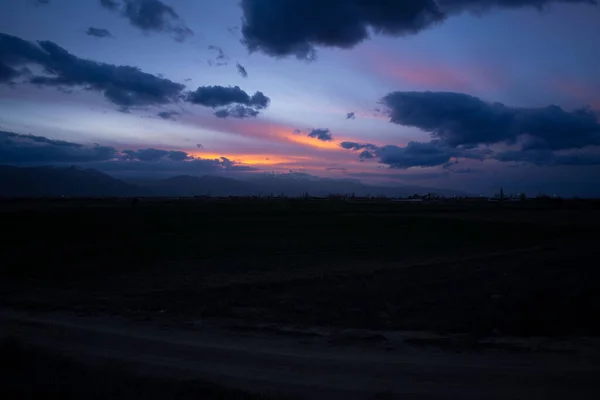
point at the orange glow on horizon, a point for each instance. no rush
(250, 159)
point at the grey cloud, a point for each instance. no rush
(231, 101)
(153, 155)
(236, 111)
(296, 27)
(16, 148)
(170, 115)
(350, 115)
(336, 169)
(241, 70)
(110, 4)
(462, 120)
(366, 155)
(479, 6)
(98, 32)
(124, 86)
(544, 157)
(7, 74)
(20, 149)
(358, 146)
(151, 16)
(220, 60)
(199, 146)
(321, 134)
(414, 154)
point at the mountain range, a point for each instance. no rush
(74, 181)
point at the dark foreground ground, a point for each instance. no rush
(480, 269)
(30, 372)
(325, 277)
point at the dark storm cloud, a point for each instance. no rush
(296, 27)
(478, 6)
(153, 155)
(461, 120)
(7, 74)
(241, 70)
(16, 148)
(98, 32)
(321, 134)
(170, 115)
(231, 101)
(350, 115)
(151, 16)
(124, 86)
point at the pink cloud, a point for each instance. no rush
(429, 74)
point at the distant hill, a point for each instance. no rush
(59, 181)
(79, 182)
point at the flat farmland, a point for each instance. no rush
(476, 269)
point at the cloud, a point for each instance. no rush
(124, 86)
(170, 115)
(544, 157)
(151, 16)
(336, 169)
(321, 134)
(462, 120)
(16, 148)
(297, 27)
(199, 146)
(236, 111)
(463, 126)
(241, 70)
(358, 146)
(231, 101)
(98, 32)
(479, 6)
(220, 60)
(112, 5)
(414, 154)
(7, 74)
(350, 115)
(152, 155)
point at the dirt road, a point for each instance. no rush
(313, 370)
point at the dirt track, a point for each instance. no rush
(279, 364)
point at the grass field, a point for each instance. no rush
(523, 269)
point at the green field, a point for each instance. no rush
(483, 269)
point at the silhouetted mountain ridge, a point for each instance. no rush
(79, 182)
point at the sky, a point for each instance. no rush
(471, 95)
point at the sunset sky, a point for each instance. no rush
(462, 94)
